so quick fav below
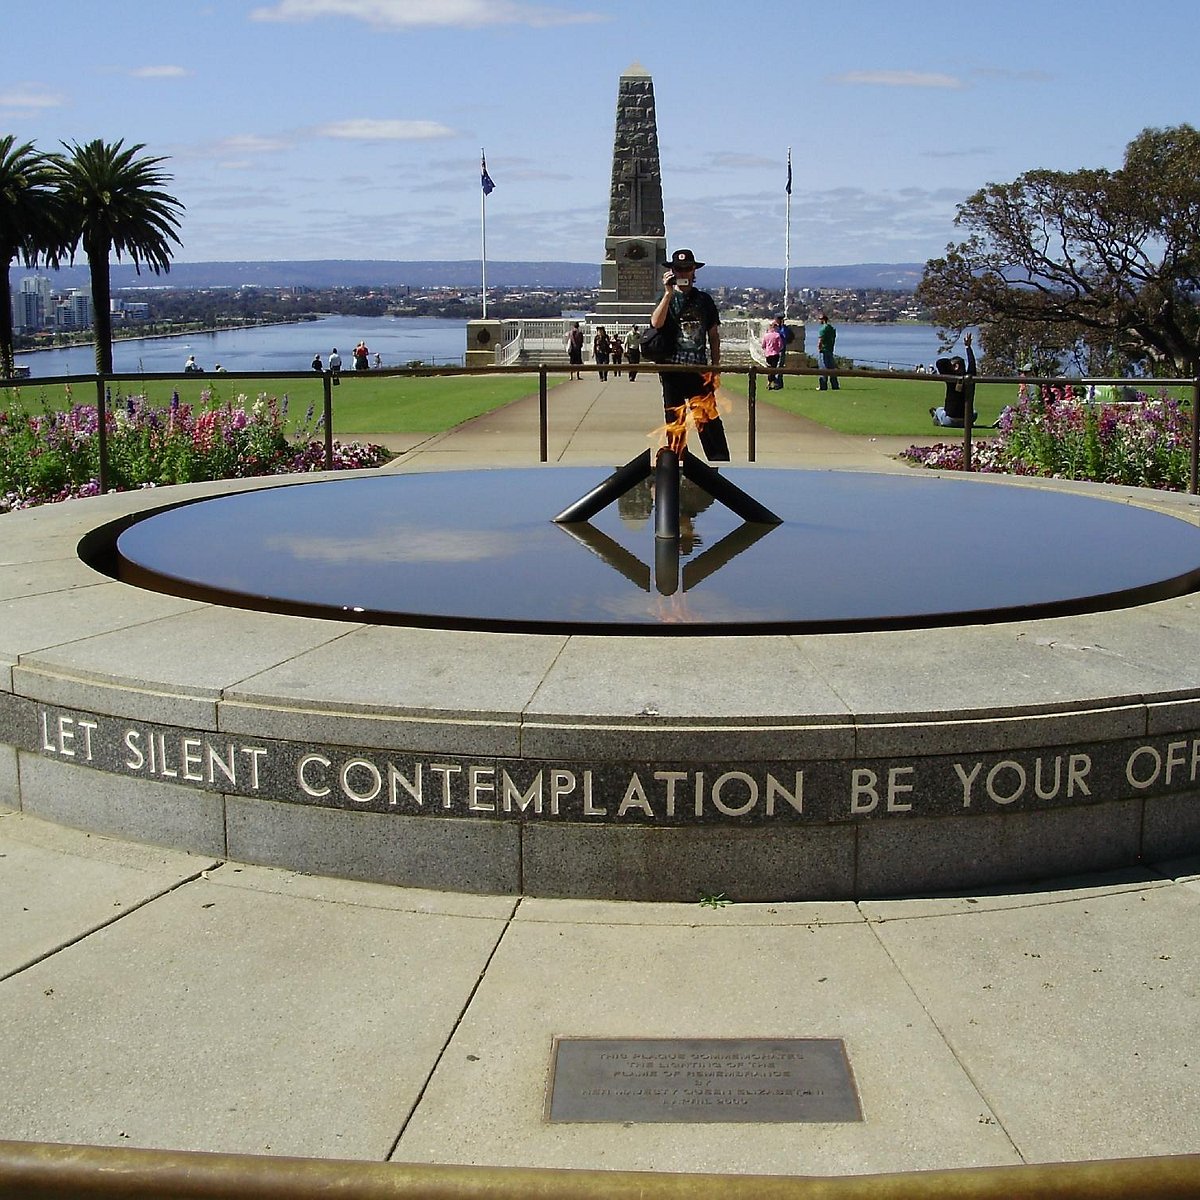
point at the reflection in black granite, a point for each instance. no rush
(479, 550)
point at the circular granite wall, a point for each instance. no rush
(770, 767)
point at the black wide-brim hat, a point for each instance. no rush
(685, 258)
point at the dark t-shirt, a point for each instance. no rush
(959, 395)
(696, 313)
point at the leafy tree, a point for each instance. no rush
(1097, 264)
(113, 202)
(27, 222)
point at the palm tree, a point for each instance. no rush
(27, 222)
(113, 201)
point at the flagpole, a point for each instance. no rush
(787, 237)
(483, 230)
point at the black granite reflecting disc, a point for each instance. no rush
(479, 550)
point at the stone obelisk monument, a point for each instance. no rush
(635, 250)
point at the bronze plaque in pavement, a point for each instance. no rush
(701, 1080)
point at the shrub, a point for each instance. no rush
(1058, 433)
(55, 455)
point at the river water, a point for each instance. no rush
(400, 340)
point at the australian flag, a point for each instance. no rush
(788, 189)
(486, 179)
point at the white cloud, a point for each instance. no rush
(30, 95)
(163, 72)
(920, 79)
(252, 143)
(414, 14)
(368, 129)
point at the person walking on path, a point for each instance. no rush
(772, 344)
(575, 350)
(616, 348)
(786, 334)
(633, 351)
(694, 316)
(826, 336)
(335, 366)
(601, 351)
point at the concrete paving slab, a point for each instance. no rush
(41, 578)
(108, 879)
(38, 622)
(668, 684)
(1076, 1020)
(591, 980)
(191, 656)
(425, 673)
(992, 669)
(692, 916)
(231, 1019)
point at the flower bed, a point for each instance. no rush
(1060, 434)
(55, 455)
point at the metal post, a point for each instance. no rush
(666, 565)
(543, 416)
(666, 494)
(615, 486)
(752, 415)
(102, 431)
(729, 494)
(1195, 483)
(328, 409)
(968, 424)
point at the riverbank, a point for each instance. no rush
(154, 337)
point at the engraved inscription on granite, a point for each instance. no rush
(666, 793)
(700, 1080)
(635, 279)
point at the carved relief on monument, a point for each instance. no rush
(636, 274)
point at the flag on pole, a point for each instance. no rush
(788, 189)
(486, 179)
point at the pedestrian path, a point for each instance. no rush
(154, 998)
(608, 422)
(160, 999)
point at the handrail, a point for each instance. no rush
(434, 371)
(49, 1171)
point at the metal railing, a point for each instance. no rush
(47, 1171)
(102, 385)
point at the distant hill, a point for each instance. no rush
(327, 273)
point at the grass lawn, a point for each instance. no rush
(871, 407)
(363, 403)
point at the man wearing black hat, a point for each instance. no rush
(698, 343)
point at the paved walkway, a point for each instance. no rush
(156, 998)
(590, 422)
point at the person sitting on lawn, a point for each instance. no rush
(959, 392)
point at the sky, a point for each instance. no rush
(318, 129)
